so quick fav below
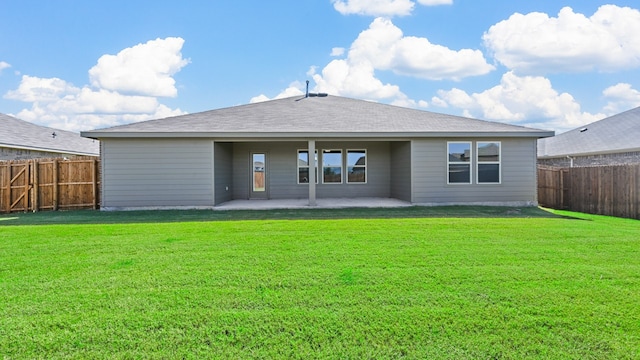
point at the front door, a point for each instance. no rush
(258, 176)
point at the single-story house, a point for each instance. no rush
(316, 147)
(21, 140)
(611, 141)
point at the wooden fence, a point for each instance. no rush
(49, 184)
(603, 190)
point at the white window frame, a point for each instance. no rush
(365, 166)
(315, 160)
(469, 163)
(499, 162)
(341, 166)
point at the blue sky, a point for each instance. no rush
(80, 65)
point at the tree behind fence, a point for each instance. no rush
(602, 190)
(49, 184)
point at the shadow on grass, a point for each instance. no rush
(167, 216)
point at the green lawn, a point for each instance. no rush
(381, 284)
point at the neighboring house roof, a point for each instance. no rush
(316, 116)
(615, 134)
(20, 134)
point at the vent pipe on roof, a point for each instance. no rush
(307, 95)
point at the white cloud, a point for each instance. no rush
(529, 100)
(387, 8)
(621, 97)
(294, 89)
(59, 104)
(337, 51)
(4, 65)
(259, 98)
(374, 7)
(35, 89)
(88, 101)
(340, 77)
(78, 121)
(435, 2)
(383, 47)
(537, 43)
(144, 69)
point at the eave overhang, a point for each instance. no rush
(314, 135)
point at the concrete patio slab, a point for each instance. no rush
(331, 203)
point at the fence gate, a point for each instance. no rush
(16, 186)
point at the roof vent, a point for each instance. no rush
(583, 130)
(308, 94)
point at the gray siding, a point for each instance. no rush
(223, 174)
(157, 173)
(518, 167)
(401, 170)
(282, 170)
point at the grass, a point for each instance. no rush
(382, 284)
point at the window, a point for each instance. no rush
(303, 166)
(459, 162)
(356, 166)
(488, 154)
(332, 166)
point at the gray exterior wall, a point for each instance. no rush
(148, 173)
(223, 172)
(401, 170)
(156, 173)
(518, 183)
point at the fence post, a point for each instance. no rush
(55, 184)
(7, 187)
(35, 190)
(25, 192)
(94, 180)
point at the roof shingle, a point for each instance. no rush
(615, 134)
(314, 116)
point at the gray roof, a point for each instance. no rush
(615, 134)
(318, 117)
(20, 134)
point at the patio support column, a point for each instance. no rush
(312, 173)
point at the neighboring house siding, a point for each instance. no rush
(401, 170)
(518, 177)
(624, 158)
(22, 154)
(223, 173)
(150, 173)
